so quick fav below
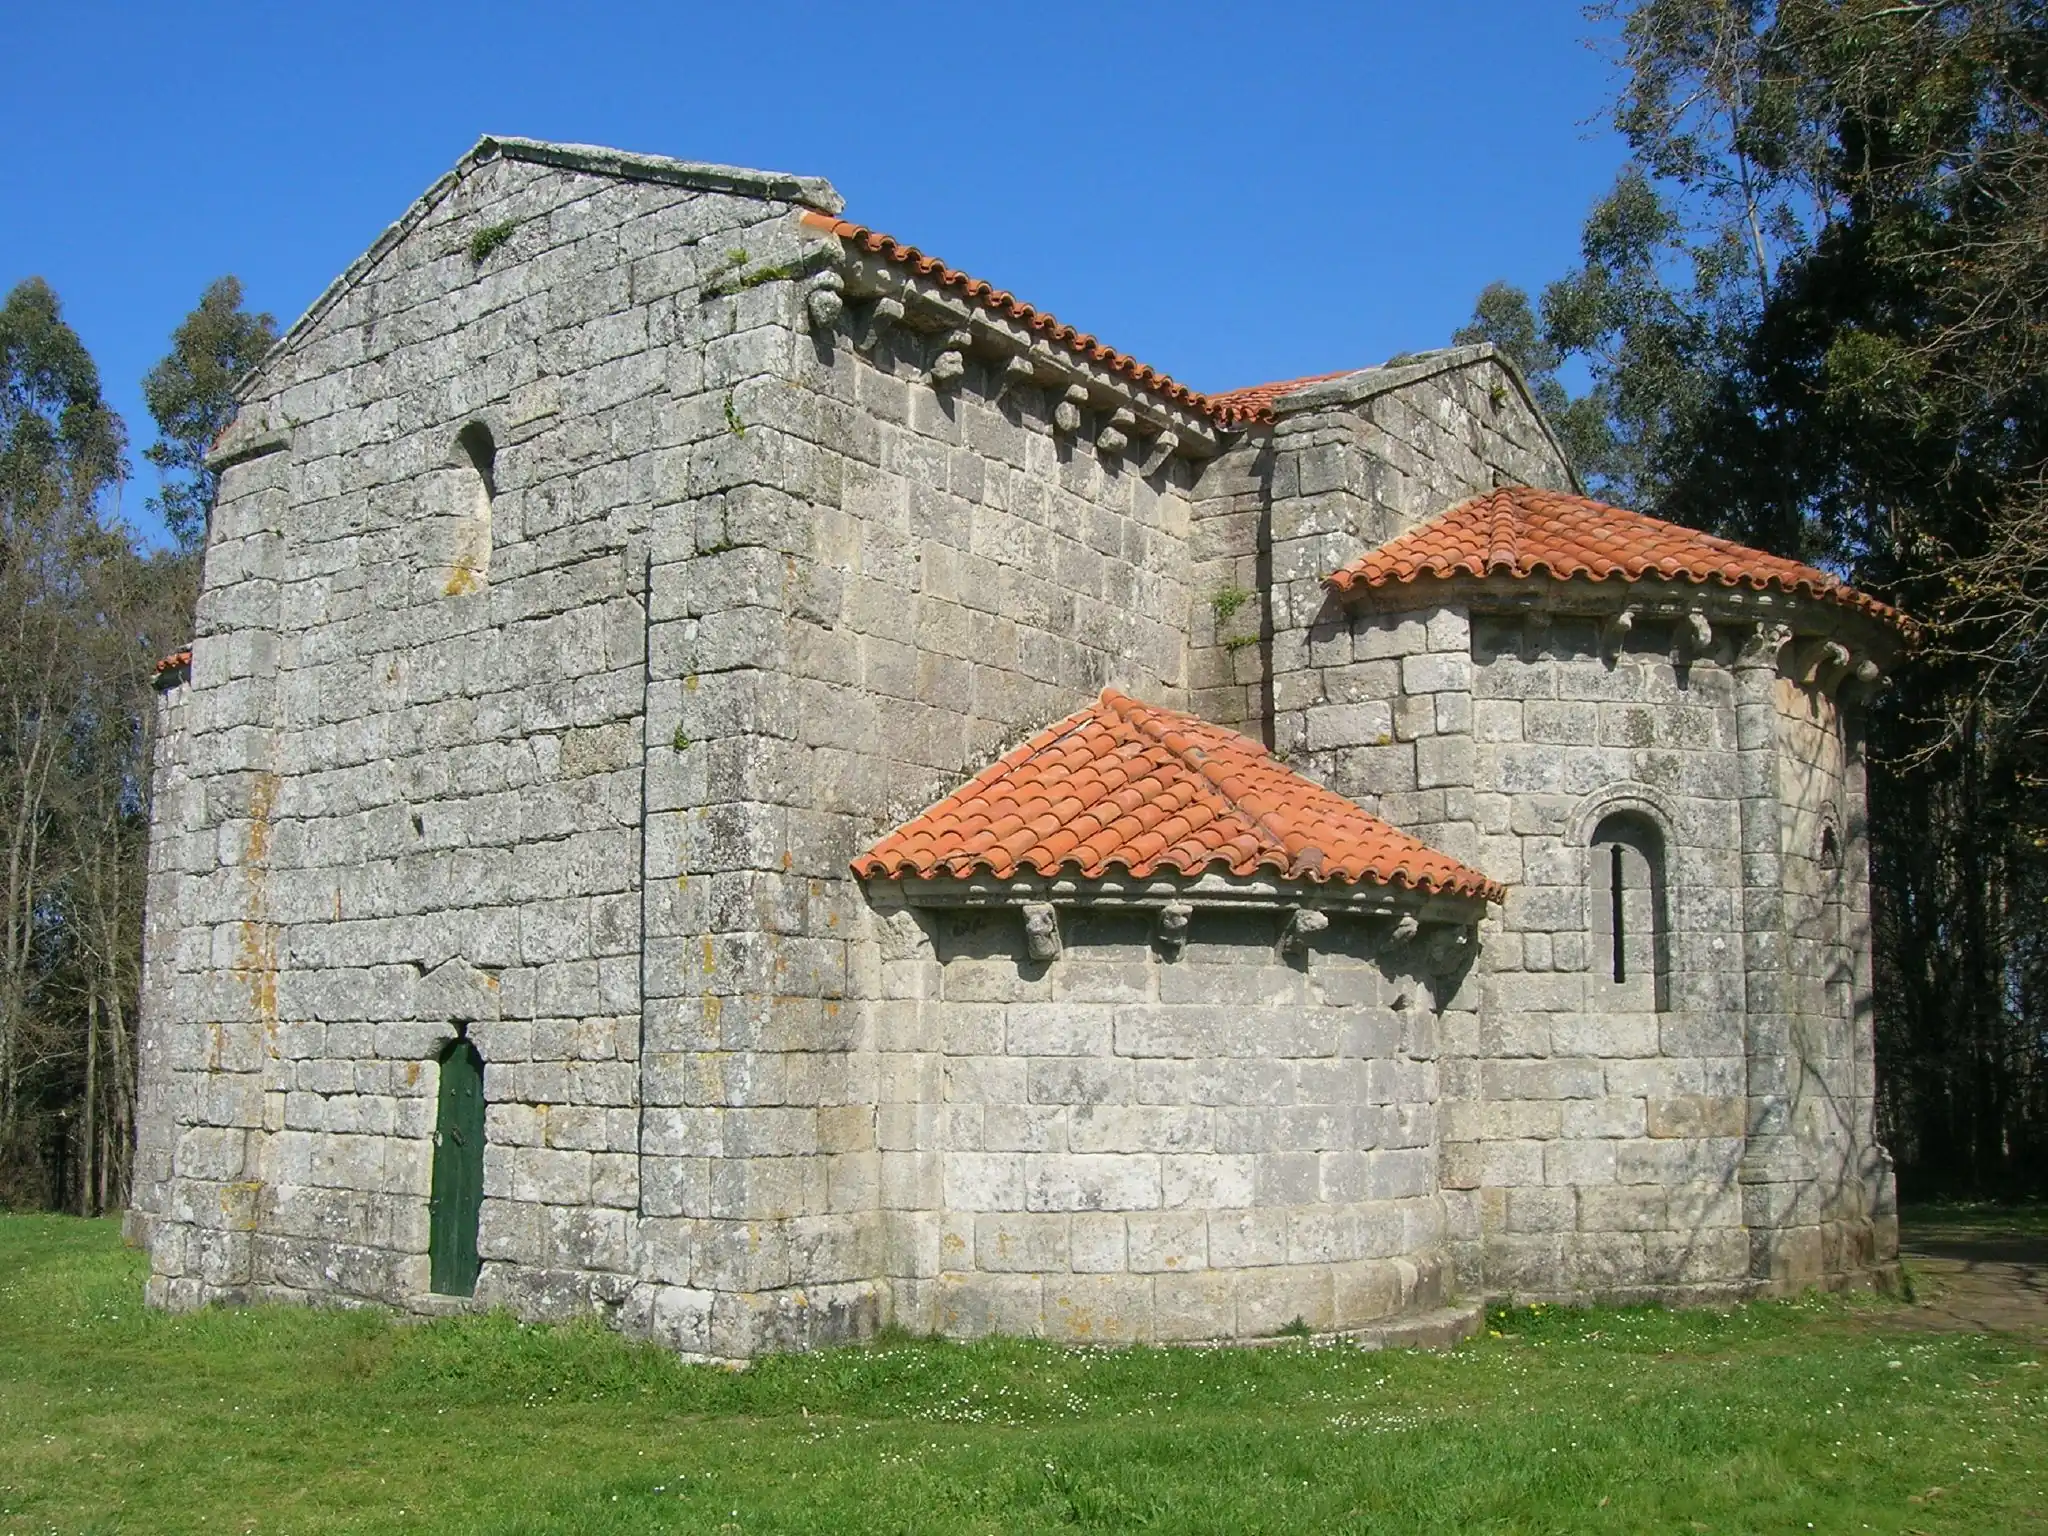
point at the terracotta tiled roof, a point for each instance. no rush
(1235, 408)
(1518, 531)
(1124, 784)
(991, 297)
(172, 667)
(1255, 402)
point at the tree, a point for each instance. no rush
(83, 614)
(1503, 316)
(1815, 313)
(60, 447)
(191, 393)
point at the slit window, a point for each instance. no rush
(1618, 905)
(1630, 909)
(476, 459)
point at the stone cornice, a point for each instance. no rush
(1209, 892)
(897, 296)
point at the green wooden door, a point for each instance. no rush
(458, 1172)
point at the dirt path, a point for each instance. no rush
(1975, 1278)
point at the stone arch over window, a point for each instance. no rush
(476, 473)
(1630, 910)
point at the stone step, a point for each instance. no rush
(1424, 1328)
(1432, 1328)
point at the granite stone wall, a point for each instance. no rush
(411, 788)
(932, 569)
(1608, 1138)
(1123, 1144)
(610, 555)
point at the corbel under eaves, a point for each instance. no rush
(1116, 437)
(868, 276)
(1161, 450)
(887, 312)
(1301, 927)
(1170, 929)
(1446, 946)
(1614, 632)
(1765, 646)
(1020, 372)
(1696, 632)
(1041, 930)
(951, 363)
(825, 299)
(1435, 948)
(1817, 662)
(1066, 416)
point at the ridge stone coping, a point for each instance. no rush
(810, 191)
(770, 186)
(1365, 384)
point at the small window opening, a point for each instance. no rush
(1830, 849)
(1617, 883)
(1631, 916)
(477, 467)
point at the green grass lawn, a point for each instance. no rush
(1776, 1417)
(1975, 1218)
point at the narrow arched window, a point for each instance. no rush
(1631, 950)
(476, 458)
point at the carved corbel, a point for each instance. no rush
(1818, 664)
(1041, 930)
(1162, 450)
(1832, 667)
(1447, 946)
(825, 301)
(1116, 437)
(1863, 681)
(1066, 416)
(1765, 646)
(1303, 924)
(1018, 373)
(951, 362)
(886, 313)
(1697, 632)
(1615, 632)
(1170, 933)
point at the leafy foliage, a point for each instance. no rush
(488, 239)
(1815, 313)
(191, 393)
(83, 613)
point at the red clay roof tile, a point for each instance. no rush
(1235, 408)
(1518, 531)
(1255, 401)
(1008, 304)
(1125, 784)
(172, 668)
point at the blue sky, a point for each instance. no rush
(1232, 193)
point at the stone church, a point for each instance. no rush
(739, 779)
